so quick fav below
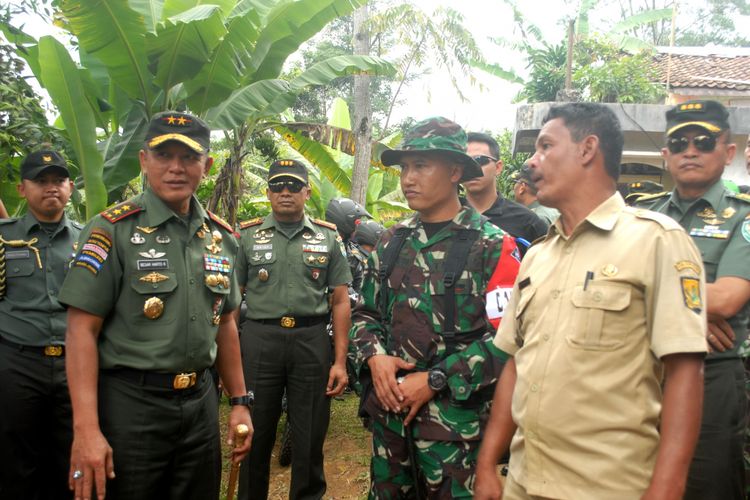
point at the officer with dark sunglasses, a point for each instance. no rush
(698, 147)
(287, 264)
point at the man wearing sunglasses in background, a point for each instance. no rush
(698, 149)
(287, 264)
(481, 193)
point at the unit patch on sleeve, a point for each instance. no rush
(691, 294)
(94, 252)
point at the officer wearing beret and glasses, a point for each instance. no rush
(35, 253)
(698, 147)
(288, 262)
(151, 295)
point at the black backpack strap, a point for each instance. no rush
(455, 263)
(390, 255)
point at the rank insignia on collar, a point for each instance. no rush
(202, 231)
(146, 229)
(137, 239)
(152, 254)
(153, 277)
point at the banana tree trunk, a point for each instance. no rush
(362, 126)
(226, 196)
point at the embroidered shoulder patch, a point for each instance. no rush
(691, 294)
(329, 225)
(120, 211)
(251, 222)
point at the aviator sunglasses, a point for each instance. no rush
(704, 143)
(292, 186)
(483, 160)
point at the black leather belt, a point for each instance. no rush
(52, 351)
(294, 322)
(174, 381)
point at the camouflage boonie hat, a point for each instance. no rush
(440, 135)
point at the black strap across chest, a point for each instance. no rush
(455, 263)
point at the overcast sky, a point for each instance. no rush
(489, 107)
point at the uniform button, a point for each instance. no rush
(15, 269)
(568, 249)
(193, 317)
(192, 281)
(597, 296)
(155, 286)
(49, 269)
(545, 336)
(531, 435)
(555, 294)
(534, 388)
(462, 390)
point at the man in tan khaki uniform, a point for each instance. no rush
(607, 307)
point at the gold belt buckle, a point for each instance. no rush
(287, 322)
(184, 380)
(53, 350)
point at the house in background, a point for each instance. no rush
(718, 73)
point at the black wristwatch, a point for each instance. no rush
(437, 380)
(246, 400)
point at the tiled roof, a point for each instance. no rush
(709, 71)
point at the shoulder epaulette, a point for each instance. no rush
(741, 196)
(329, 225)
(665, 221)
(7, 221)
(654, 196)
(120, 211)
(252, 222)
(220, 221)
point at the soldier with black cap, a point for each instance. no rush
(639, 189)
(433, 294)
(152, 293)
(35, 253)
(698, 147)
(287, 264)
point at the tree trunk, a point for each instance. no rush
(226, 196)
(362, 123)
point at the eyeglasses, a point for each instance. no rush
(292, 186)
(483, 159)
(704, 143)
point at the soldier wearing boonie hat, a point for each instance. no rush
(698, 147)
(421, 336)
(35, 253)
(151, 295)
(287, 263)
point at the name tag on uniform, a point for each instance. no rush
(17, 254)
(267, 246)
(315, 248)
(146, 265)
(497, 302)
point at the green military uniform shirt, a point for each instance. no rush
(719, 223)
(35, 266)
(547, 214)
(140, 253)
(286, 276)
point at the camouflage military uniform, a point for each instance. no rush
(357, 263)
(448, 428)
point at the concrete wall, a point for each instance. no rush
(643, 126)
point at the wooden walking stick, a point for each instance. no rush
(240, 433)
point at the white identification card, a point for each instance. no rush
(497, 301)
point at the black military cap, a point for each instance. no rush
(522, 175)
(710, 115)
(39, 161)
(288, 168)
(182, 127)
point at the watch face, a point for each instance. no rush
(437, 380)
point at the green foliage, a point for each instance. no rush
(547, 73)
(511, 163)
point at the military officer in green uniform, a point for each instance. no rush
(151, 295)
(698, 148)
(35, 252)
(288, 262)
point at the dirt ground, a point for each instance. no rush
(346, 451)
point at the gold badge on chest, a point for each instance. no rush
(153, 308)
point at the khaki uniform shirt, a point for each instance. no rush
(290, 276)
(587, 398)
(719, 223)
(150, 254)
(35, 267)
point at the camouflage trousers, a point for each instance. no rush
(446, 469)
